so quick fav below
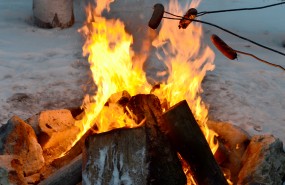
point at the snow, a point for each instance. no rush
(97, 164)
(44, 69)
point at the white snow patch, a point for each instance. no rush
(99, 165)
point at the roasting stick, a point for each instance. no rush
(230, 53)
(238, 9)
(232, 33)
(261, 60)
(190, 17)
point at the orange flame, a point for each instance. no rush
(188, 61)
(110, 56)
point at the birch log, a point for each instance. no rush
(135, 156)
(53, 13)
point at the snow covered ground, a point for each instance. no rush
(44, 69)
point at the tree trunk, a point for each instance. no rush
(53, 13)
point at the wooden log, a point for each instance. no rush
(164, 164)
(70, 174)
(133, 156)
(184, 133)
(55, 13)
(115, 157)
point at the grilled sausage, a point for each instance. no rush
(156, 16)
(190, 14)
(223, 47)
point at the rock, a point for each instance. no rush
(34, 122)
(58, 132)
(263, 161)
(19, 139)
(33, 179)
(11, 171)
(234, 141)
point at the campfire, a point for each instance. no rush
(135, 129)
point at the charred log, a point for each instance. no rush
(185, 135)
(70, 174)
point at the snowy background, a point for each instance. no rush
(44, 69)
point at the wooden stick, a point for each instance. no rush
(184, 133)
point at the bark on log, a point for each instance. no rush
(141, 156)
(70, 174)
(185, 135)
(116, 157)
(53, 13)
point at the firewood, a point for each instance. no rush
(185, 135)
(163, 160)
(121, 98)
(133, 156)
(70, 174)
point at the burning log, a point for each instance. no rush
(51, 14)
(121, 98)
(133, 156)
(185, 135)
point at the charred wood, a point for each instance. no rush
(186, 136)
(70, 174)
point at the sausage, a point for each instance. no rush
(223, 47)
(156, 16)
(190, 14)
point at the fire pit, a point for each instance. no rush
(126, 133)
